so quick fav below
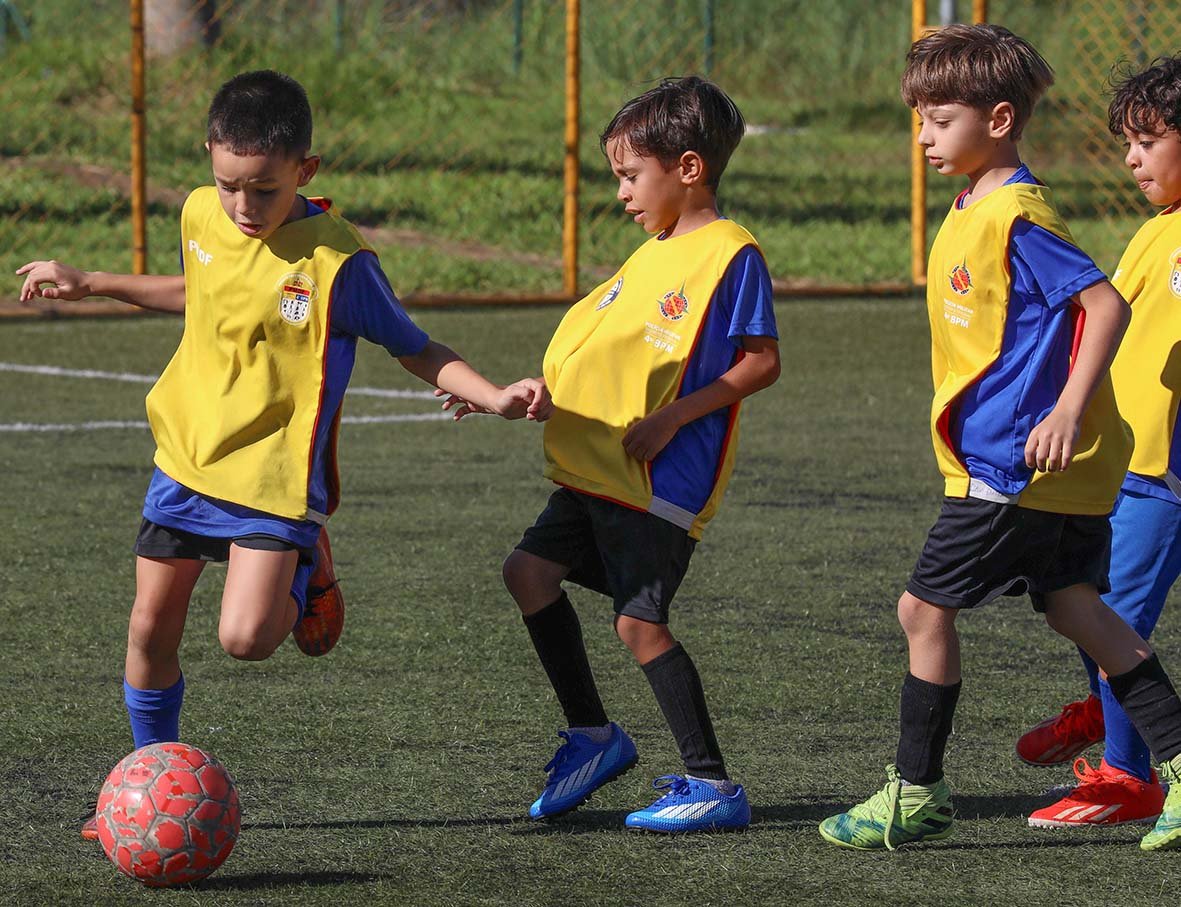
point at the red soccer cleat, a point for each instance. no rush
(1059, 739)
(1104, 796)
(90, 829)
(323, 615)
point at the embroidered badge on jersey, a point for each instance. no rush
(960, 279)
(297, 292)
(1175, 276)
(674, 306)
(609, 296)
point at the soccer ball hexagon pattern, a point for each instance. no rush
(168, 814)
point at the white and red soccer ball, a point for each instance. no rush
(168, 814)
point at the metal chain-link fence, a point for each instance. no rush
(441, 125)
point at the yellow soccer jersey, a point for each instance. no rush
(1147, 370)
(235, 412)
(654, 332)
(1002, 336)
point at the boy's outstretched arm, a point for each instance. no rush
(1050, 446)
(161, 293)
(445, 369)
(758, 368)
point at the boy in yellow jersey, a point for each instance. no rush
(647, 374)
(1025, 428)
(1145, 111)
(276, 290)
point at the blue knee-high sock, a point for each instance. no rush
(1124, 748)
(1092, 672)
(154, 714)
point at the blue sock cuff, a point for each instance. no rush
(153, 699)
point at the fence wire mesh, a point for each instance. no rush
(440, 123)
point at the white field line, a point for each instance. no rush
(131, 378)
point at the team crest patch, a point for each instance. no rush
(674, 306)
(960, 279)
(1175, 274)
(609, 296)
(297, 292)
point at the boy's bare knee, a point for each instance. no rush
(918, 616)
(513, 572)
(245, 646)
(643, 637)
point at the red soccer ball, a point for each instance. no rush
(168, 814)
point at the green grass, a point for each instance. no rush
(424, 124)
(396, 769)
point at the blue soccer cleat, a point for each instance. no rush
(691, 805)
(579, 768)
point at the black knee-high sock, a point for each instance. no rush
(1147, 696)
(681, 697)
(926, 713)
(557, 637)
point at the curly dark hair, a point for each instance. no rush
(679, 115)
(1148, 101)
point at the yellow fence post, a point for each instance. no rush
(139, 222)
(918, 171)
(979, 11)
(573, 132)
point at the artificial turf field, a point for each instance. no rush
(397, 769)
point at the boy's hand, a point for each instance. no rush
(526, 399)
(67, 283)
(650, 435)
(1050, 447)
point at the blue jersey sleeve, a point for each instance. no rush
(1045, 265)
(364, 305)
(745, 295)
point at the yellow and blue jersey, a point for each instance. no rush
(668, 323)
(1147, 369)
(354, 301)
(1002, 276)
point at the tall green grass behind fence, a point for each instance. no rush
(441, 125)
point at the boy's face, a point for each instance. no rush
(259, 192)
(1155, 159)
(956, 139)
(654, 196)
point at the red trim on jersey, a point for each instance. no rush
(602, 497)
(1078, 318)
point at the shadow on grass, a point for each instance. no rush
(472, 822)
(276, 879)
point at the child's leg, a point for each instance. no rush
(930, 689)
(1137, 680)
(1145, 562)
(679, 693)
(257, 610)
(153, 687)
(536, 585)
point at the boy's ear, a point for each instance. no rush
(692, 168)
(1001, 120)
(308, 168)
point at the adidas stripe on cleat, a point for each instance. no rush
(689, 804)
(1104, 796)
(897, 814)
(579, 768)
(1060, 739)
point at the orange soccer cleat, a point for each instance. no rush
(323, 615)
(1104, 796)
(90, 828)
(1059, 739)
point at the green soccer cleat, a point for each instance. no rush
(1166, 834)
(897, 814)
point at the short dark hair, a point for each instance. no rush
(679, 115)
(1148, 100)
(977, 65)
(261, 112)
